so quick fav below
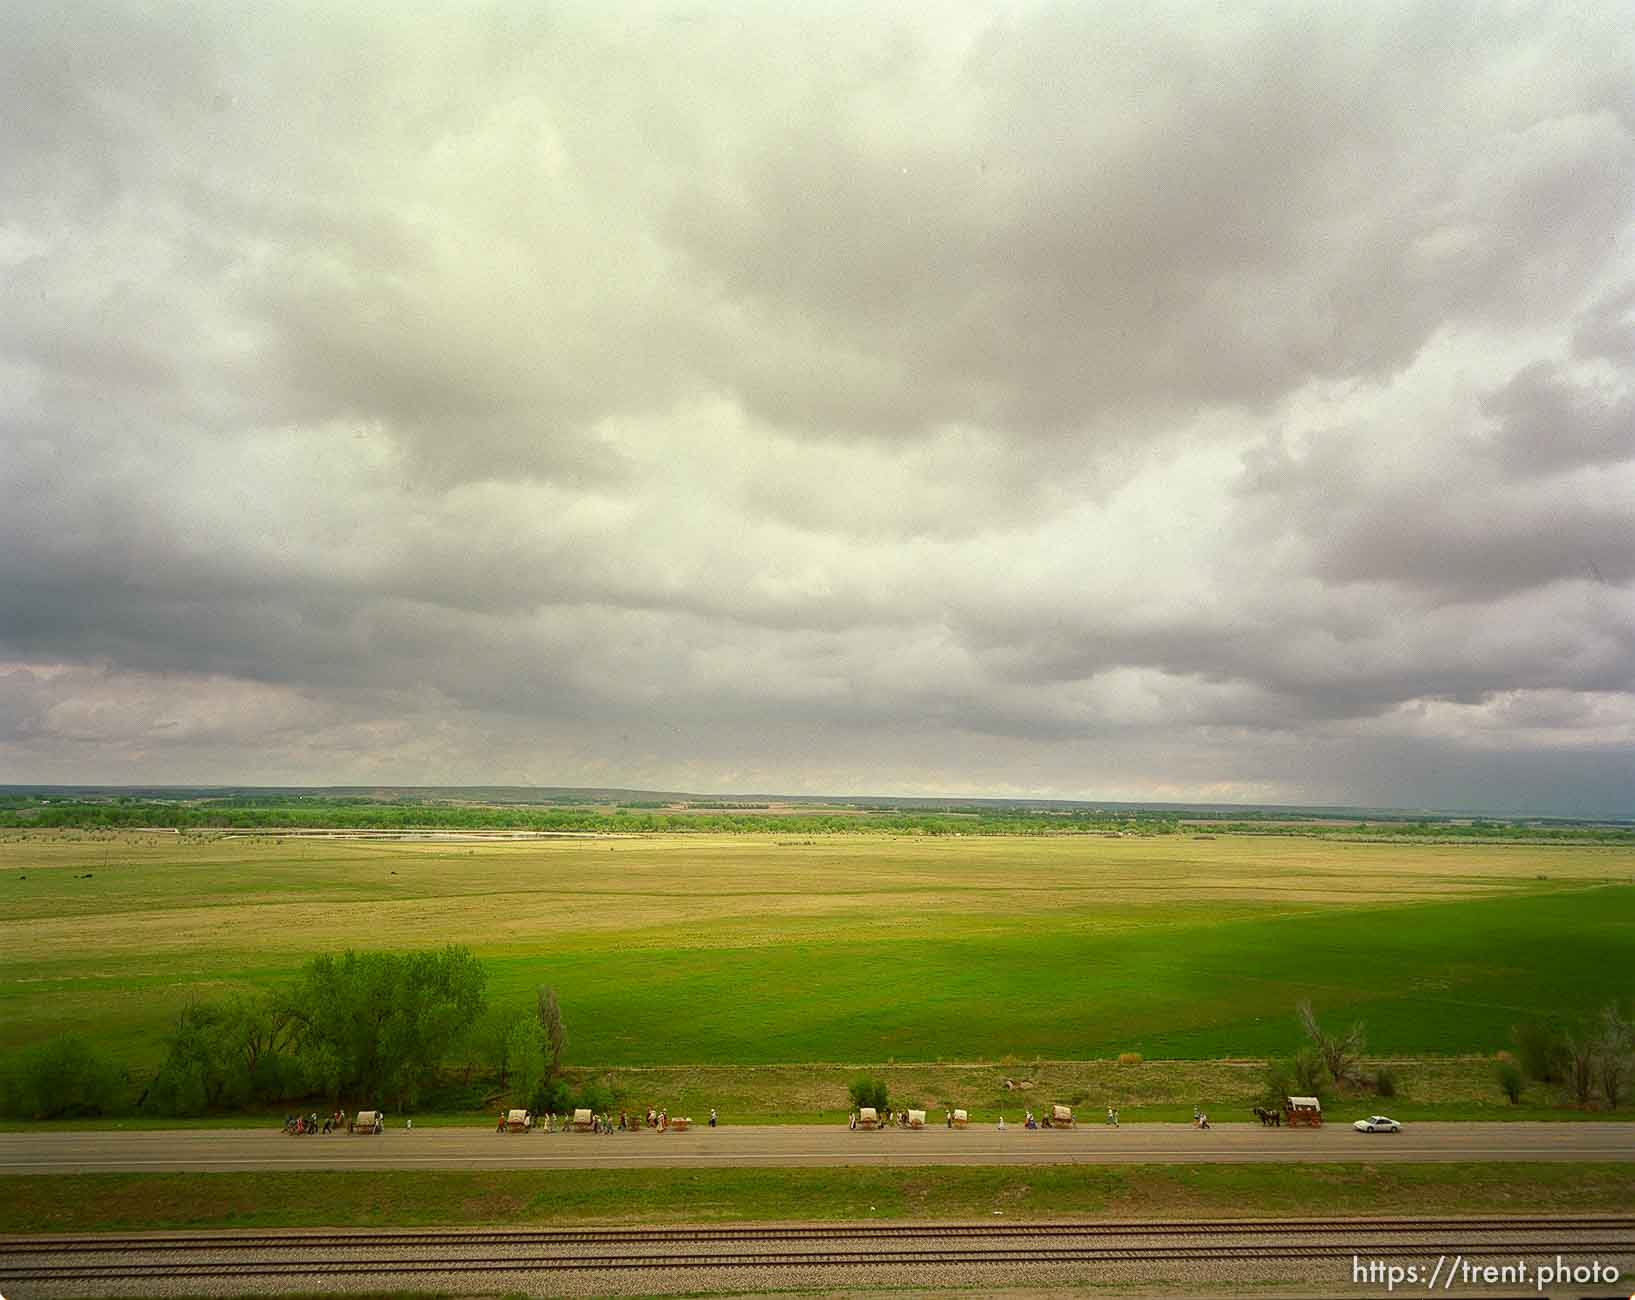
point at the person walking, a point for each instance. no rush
(712, 1116)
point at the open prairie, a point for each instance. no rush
(684, 949)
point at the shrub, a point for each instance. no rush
(867, 1091)
(1302, 1075)
(1129, 1058)
(62, 1076)
(552, 1098)
(1385, 1081)
(1540, 1051)
(1509, 1078)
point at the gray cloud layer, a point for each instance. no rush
(1084, 400)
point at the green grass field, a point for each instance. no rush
(677, 950)
(335, 1199)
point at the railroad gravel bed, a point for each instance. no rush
(839, 1258)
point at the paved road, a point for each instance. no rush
(477, 1148)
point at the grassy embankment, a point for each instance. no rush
(113, 1202)
(697, 957)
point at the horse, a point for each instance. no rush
(1269, 1118)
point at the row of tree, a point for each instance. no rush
(1585, 1061)
(294, 814)
(1590, 1059)
(372, 1028)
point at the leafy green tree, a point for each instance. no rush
(1539, 1051)
(868, 1091)
(376, 1024)
(229, 1053)
(200, 1070)
(490, 1040)
(1509, 1078)
(597, 1097)
(553, 1098)
(62, 1076)
(525, 1052)
(550, 1021)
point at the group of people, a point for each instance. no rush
(625, 1123)
(892, 1119)
(304, 1124)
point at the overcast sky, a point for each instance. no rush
(1216, 402)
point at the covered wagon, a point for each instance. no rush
(961, 1119)
(1303, 1110)
(368, 1121)
(916, 1119)
(868, 1117)
(680, 1122)
(518, 1121)
(1059, 1117)
(582, 1121)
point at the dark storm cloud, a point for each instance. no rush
(1547, 424)
(1097, 400)
(1179, 226)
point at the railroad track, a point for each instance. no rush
(920, 1247)
(103, 1242)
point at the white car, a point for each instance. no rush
(1377, 1124)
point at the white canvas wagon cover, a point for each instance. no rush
(581, 1117)
(916, 1119)
(369, 1118)
(518, 1119)
(1061, 1114)
(1305, 1103)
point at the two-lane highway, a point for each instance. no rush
(89, 1151)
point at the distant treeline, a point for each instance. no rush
(298, 814)
(307, 812)
(1482, 829)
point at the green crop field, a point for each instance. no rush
(722, 949)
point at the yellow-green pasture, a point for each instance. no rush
(677, 949)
